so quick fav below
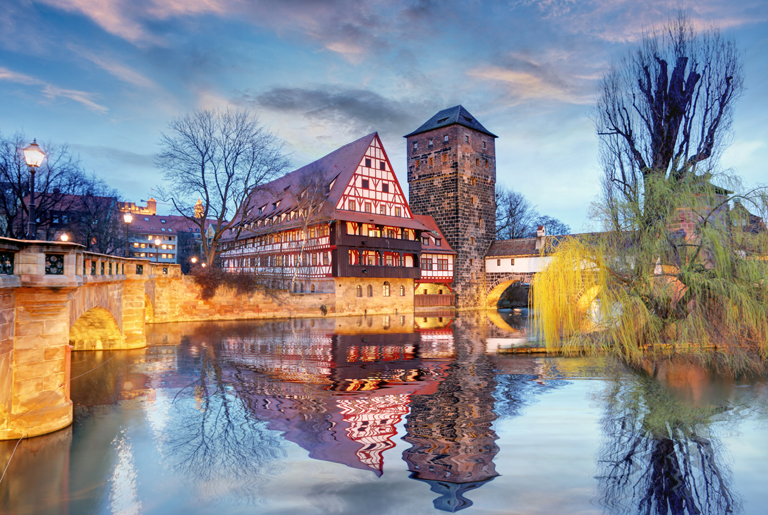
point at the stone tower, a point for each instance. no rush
(452, 177)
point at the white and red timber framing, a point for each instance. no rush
(343, 216)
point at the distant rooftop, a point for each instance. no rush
(453, 115)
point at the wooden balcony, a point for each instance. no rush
(394, 272)
(366, 242)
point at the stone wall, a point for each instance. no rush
(347, 301)
(451, 182)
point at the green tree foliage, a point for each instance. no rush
(669, 271)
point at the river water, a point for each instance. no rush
(390, 415)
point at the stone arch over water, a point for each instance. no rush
(492, 300)
(96, 329)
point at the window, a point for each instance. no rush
(162, 221)
(383, 209)
(415, 145)
(365, 184)
(312, 289)
(486, 163)
(351, 205)
(430, 142)
(480, 222)
(390, 233)
(498, 262)
(382, 165)
(471, 262)
(385, 187)
(442, 264)
(397, 211)
(370, 290)
(483, 144)
(477, 161)
(418, 163)
(426, 264)
(402, 294)
(472, 240)
(368, 207)
(438, 242)
(146, 219)
(386, 289)
(473, 201)
(367, 162)
(325, 258)
(466, 139)
(430, 161)
(445, 158)
(445, 139)
(425, 240)
(314, 259)
(388, 262)
(473, 181)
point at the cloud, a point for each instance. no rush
(360, 110)
(115, 155)
(116, 69)
(52, 92)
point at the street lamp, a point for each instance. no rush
(127, 218)
(194, 260)
(65, 237)
(34, 158)
(157, 250)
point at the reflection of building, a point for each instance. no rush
(452, 442)
(339, 396)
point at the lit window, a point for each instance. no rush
(430, 161)
(370, 290)
(383, 209)
(438, 241)
(397, 211)
(477, 161)
(386, 289)
(368, 207)
(402, 294)
(351, 206)
(445, 158)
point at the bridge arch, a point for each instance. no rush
(96, 329)
(493, 297)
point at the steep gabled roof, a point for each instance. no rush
(453, 115)
(430, 223)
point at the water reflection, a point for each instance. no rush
(659, 455)
(423, 405)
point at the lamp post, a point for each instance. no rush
(157, 250)
(127, 218)
(65, 237)
(34, 158)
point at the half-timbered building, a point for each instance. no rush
(340, 224)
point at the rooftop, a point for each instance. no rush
(453, 115)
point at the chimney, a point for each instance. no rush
(541, 237)
(152, 206)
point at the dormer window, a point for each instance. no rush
(162, 221)
(330, 186)
(146, 219)
(438, 242)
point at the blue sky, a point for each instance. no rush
(106, 77)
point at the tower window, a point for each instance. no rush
(473, 181)
(486, 163)
(498, 262)
(430, 161)
(480, 222)
(445, 158)
(418, 163)
(367, 162)
(471, 262)
(472, 240)
(466, 139)
(477, 161)
(473, 201)
(430, 142)
(483, 144)
(446, 138)
(415, 145)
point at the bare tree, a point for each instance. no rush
(311, 191)
(516, 217)
(514, 214)
(664, 112)
(221, 157)
(59, 177)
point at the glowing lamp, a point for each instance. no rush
(65, 237)
(33, 155)
(128, 218)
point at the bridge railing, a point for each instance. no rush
(58, 263)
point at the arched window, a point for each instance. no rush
(370, 290)
(402, 290)
(359, 291)
(386, 288)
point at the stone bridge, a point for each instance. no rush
(56, 298)
(497, 283)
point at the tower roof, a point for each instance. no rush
(452, 115)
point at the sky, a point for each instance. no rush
(106, 77)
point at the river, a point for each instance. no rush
(390, 415)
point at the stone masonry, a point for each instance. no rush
(454, 181)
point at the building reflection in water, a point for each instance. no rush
(338, 393)
(452, 441)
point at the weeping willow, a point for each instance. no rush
(672, 273)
